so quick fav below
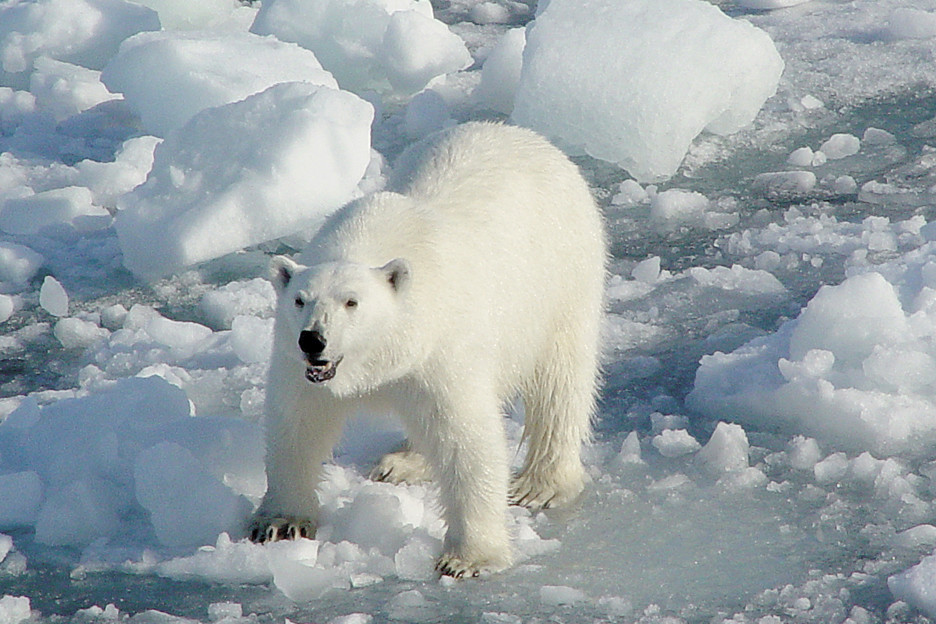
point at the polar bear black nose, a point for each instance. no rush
(311, 342)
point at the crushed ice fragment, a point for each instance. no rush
(840, 145)
(647, 271)
(675, 443)
(53, 298)
(727, 449)
(14, 609)
(561, 595)
(630, 450)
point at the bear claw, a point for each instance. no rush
(264, 530)
(450, 565)
(459, 568)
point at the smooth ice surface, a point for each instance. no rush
(245, 173)
(22, 495)
(199, 70)
(561, 595)
(370, 44)
(110, 180)
(638, 84)
(768, 4)
(647, 271)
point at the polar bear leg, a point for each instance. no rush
(300, 437)
(559, 405)
(465, 445)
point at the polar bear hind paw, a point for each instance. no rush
(263, 530)
(458, 568)
(535, 493)
(401, 467)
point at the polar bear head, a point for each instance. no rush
(336, 319)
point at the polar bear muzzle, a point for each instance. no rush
(313, 343)
(319, 371)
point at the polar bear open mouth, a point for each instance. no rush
(322, 370)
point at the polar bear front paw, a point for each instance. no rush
(450, 565)
(265, 529)
(401, 467)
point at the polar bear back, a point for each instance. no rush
(504, 239)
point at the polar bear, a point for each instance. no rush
(478, 277)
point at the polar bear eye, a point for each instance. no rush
(299, 302)
(351, 303)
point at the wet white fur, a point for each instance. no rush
(477, 279)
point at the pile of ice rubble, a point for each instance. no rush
(242, 148)
(121, 462)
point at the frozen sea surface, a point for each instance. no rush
(768, 305)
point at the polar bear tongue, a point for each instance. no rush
(317, 373)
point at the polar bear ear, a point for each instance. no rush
(397, 273)
(282, 270)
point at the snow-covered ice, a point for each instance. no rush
(369, 44)
(635, 83)
(764, 448)
(911, 23)
(68, 206)
(202, 15)
(855, 367)
(250, 171)
(83, 32)
(18, 263)
(197, 67)
(500, 74)
(64, 89)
